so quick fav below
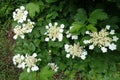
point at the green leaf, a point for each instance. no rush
(97, 14)
(46, 73)
(50, 1)
(52, 15)
(32, 47)
(76, 27)
(80, 16)
(91, 27)
(32, 8)
(27, 76)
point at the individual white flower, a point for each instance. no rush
(53, 66)
(18, 60)
(30, 62)
(66, 47)
(75, 50)
(67, 55)
(54, 32)
(115, 38)
(74, 37)
(112, 46)
(91, 47)
(86, 41)
(20, 14)
(83, 55)
(104, 49)
(107, 27)
(28, 27)
(112, 32)
(18, 32)
(87, 32)
(68, 35)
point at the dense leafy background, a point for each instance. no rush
(83, 15)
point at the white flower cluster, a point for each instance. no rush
(54, 32)
(73, 37)
(27, 61)
(20, 15)
(102, 39)
(53, 66)
(75, 50)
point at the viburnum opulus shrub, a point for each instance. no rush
(60, 37)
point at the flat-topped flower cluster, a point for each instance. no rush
(75, 50)
(102, 39)
(24, 25)
(26, 61)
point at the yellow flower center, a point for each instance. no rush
(30, 61)
(101, 38)
(76, 50)
(53, 32)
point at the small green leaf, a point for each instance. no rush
(80, 16)
(76, 27)
(97, 14)
(50, 1)
(27, 76)
(32, 8)
(32, 47)
(91, 27)
(46, 73)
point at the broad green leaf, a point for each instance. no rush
(32, 8)
(55, 44)
(52, 15)
(91, 27)
(46, 73)
(80, 16)
(32, 47)
(50, 1)
(76, 27)
(97, 14)
(27, 76)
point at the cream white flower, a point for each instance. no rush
(68, 35)
(20, 14)
(87, 32)
(102, 39)
(104, 49)
(75, 50)
(18, 32)
(107, 27)
(28, 26)
(54, 32)
(115, 38)
(53, 66)
(112, 46)
(30, 62)
(18, 60)
(86, 41)
(112, 32)
(91, 47)
(83, 55)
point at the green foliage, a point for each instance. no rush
(32, 8)
(80, 16)
(51, 1)
(97, 14)
(27, 76)
(46, 73)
